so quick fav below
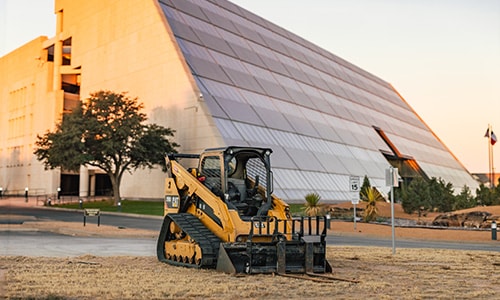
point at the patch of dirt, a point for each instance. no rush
(3, 281)
(377, 230)
(384, 210)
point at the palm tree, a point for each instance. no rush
(312, 207)
(371, 196)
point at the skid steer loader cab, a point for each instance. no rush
(222, 214)
(235, 174)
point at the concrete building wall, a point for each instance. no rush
(28, 108)
(121, 46)
(126, 46)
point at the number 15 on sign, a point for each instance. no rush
(354, 183)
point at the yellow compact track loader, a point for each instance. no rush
(223, 215)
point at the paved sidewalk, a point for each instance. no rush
(20, 201)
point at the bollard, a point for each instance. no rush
(26, 195)
(49, 202)
(328, 218)
(80, 203)
(119, 206)
(494, 231)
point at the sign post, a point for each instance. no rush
(355, 201)
(391, 179)
(92, 212)
(354, 187)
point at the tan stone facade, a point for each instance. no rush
(28, 107)
(122, 46)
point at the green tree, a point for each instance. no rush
(366, 184)
(464, 199)
(441, 195)
(417, 196)
(106, 131)
(495, 197)
(485, 195)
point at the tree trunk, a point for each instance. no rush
(116, 188)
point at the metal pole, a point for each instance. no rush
(490, 158)
(354, 216)
(392, 211)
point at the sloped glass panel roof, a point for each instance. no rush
(267, 86)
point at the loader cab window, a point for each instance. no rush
(231, 167)
(255, 168)
(246, 172)
(210, 168)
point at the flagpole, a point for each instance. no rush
(492, 161)
(490, 157)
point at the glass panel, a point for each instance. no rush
(244, 80)
(273, 119)
(207, 69)
(239, 111)
(227, 129)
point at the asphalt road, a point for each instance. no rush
(50, 244)
(37, 243)
(381, 242)
(112, 219)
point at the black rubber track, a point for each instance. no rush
(192, 226)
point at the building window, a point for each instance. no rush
(50, 53)
(66, 55)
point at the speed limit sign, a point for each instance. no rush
(354, 185)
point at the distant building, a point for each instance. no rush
(485, 178)
(219, 75)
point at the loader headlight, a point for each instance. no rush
(175, 201)
(172, 201)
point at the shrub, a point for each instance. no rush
(312, 207)
(371, 196)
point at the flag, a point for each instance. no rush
(492, 136)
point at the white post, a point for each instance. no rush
(391, 179)
(354, 216)
(392, 216)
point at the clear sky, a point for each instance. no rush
(442, 56)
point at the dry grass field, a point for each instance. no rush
(409, 274)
